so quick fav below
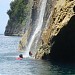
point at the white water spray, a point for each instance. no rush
(38, 28)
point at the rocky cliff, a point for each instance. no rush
(35, 13)
(57, 37)
(19, 17)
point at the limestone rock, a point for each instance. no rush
(59, 17)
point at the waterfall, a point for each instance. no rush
(38, 26)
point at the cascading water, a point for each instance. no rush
(38, 28)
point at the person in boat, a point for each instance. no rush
(30, 53)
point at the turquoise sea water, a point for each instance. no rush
(10, 66)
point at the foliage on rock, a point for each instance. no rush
(19, 13)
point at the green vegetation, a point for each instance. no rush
(19, 14)
(18, 10)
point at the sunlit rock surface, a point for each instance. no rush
(56, 28)
(58, 37)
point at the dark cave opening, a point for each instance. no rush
(63, 47)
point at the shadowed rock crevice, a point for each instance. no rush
(63, 47)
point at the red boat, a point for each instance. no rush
(18, 58)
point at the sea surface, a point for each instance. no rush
(27, 66)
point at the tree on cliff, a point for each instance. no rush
(18, 14)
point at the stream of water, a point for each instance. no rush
(37, 31)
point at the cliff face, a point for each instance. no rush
(19, 17)
(35, 13)
(30, 27)
(57, 32)
(59, 38)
